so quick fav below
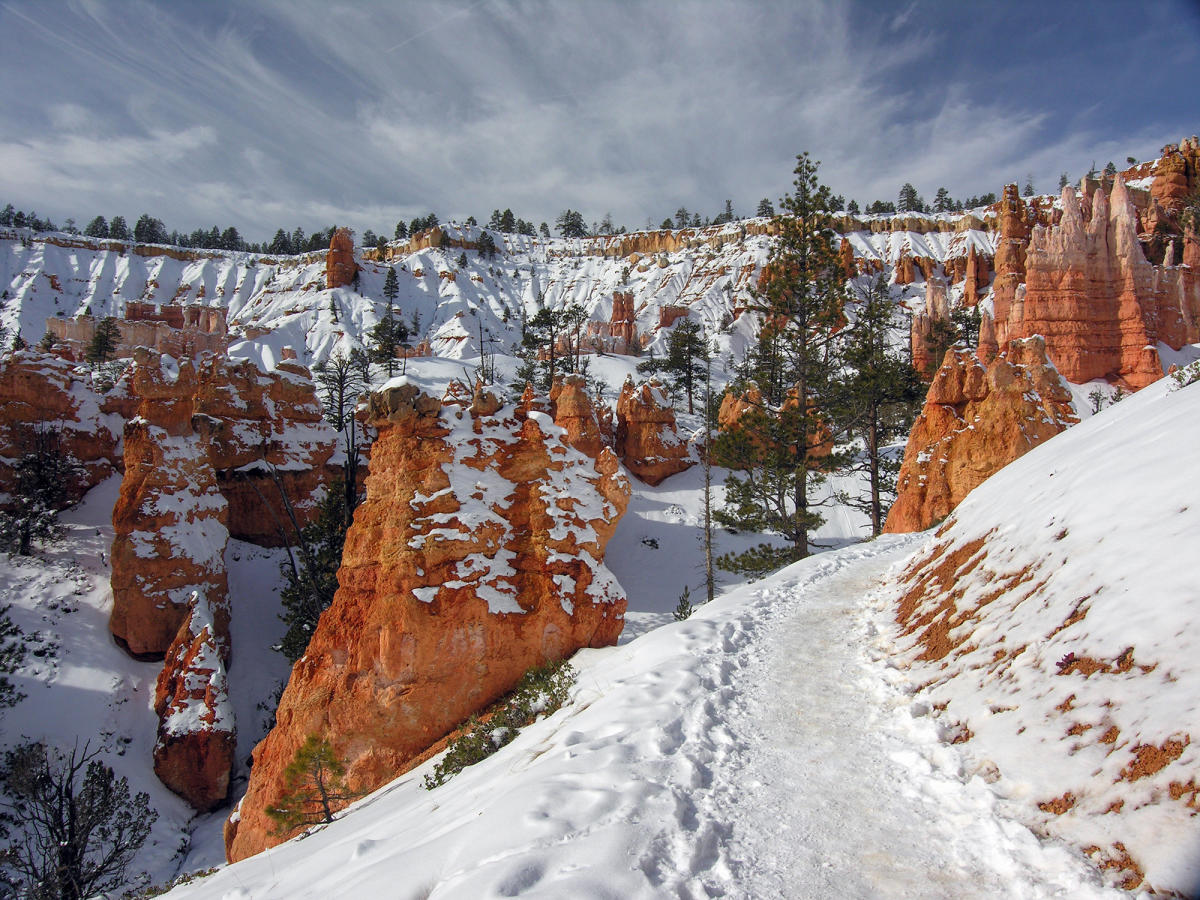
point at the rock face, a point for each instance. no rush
(574, 413)
(197, 739)
(340, 267)
(477, 554)
(36, 390)
(200, 445)
(977, 419)
(925, 324)
(1090, 291)
(647, 441)
(170, 520)
(256, 422)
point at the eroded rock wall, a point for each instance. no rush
(477, 554)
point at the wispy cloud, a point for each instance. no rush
(302, 112)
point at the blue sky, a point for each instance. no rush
(294, 112)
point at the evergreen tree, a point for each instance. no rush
(103, 345)
(1028, 192)
(340, 383)
(97, 228)
(76, 829)
(391, 286)
(1110, 169)
(908, 200)
(540, 344)
(8, 214)
(462, 260)
(686, 360)
(878, 400)
(545, 230)
(280, 244)
(149, 230)
(401, 232)
(313, 786)
(231, 240)
(777, 448)
(487, 244)
(44, 470)
(310, 572)
(570, 224)
(117, 229)
(942, 201)
(765, 208)
(508, 222)
(853, 209)
(1063, 181)
(667, 225)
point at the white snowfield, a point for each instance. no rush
(756, 750)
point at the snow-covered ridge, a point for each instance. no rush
(273, 303)
(1053, 624)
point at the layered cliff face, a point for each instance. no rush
(38, 390)
(976, 420)
(647, 440)
(198, 460)
(1085, 284)
(477, 554)
(197, 738)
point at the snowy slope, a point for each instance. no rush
(1052, 621)
(278, 302)
(722, 756)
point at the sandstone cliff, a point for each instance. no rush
(477, 554)
(976, 420)
(197, 738)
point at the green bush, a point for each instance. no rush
(540, 691)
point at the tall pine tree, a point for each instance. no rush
(781, 446)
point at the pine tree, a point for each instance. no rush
(878, 399)
(570, 224)
(401, 232)
(545, 230)
(508, 222)
(908, 200)
(43, 472)
(778, 447)
(340, 383)
(97, 228)
(1063, 181)
(942, 201)
(313, 787)
(487, 244)
(1029, 191)
(103, 345)
(76, 826)
(117, 229)
(310, 572)
(765, 208)
(685, 362)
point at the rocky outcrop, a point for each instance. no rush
(477, 554)
(929, 326)
(41, 391)
(1100, 305)
(340, 267)
(976, 420)
(1009, 261)
(201, 462)
(1176, 176)
(197, 737)
(170, 520)
(573, 412)
(647, 441)
(264, 433)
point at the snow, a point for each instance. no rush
(725, 755)
(1089, 532)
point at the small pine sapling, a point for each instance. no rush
(313, 788)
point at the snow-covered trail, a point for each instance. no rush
(844, 788)
(753, 751)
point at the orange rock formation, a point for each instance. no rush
(194, 752)
(646, 439)
(340, 267)
(977, 419)
(37, 389)
(477, 554)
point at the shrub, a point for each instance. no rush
(541, 691)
